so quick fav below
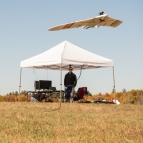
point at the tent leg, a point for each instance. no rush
(114, 84)
(20, 84)
(61, 82)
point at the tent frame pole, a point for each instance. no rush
(114, 84)
(61, 82)
(20, 83)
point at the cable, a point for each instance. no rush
(79, 74)
(34, 71)
(61, 96)
(47, 73)
(56, 108)
(59, 105)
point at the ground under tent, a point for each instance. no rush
(63, 55)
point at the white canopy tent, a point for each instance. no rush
(63, 55)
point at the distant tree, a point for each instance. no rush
(139, 99)
(113, 90)
(100, 93)
(1, 98)
(126, 98)
(107, 96)
(96, 96)
(24, 92)
(22, 98)
(124, 90)
(89, 93)
(16, 93)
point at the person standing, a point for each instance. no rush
(70, 82)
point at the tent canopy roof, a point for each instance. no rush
(65, 54)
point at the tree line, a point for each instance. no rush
(124, 97)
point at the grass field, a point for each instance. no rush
(73, 123)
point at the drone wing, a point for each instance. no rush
(101, 20)
(110, 22)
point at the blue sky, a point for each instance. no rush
(24, 33)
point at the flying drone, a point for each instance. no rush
(100, 20)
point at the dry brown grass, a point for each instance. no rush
(73, 123)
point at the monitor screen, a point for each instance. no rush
(45, 84)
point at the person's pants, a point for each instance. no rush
(69, 91)
(33, 99)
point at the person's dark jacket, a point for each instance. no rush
(70, 79)
(39, 97)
